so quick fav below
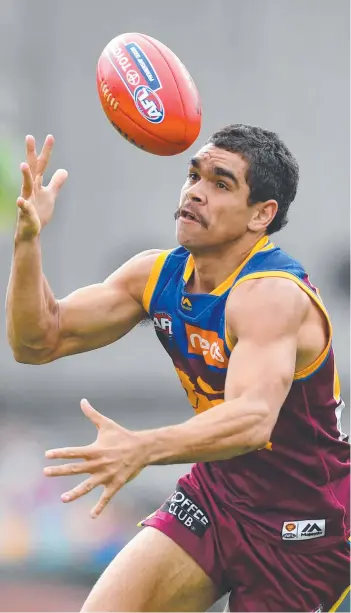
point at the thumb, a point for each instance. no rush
(57, 180)
(24, 205)
(95, 417)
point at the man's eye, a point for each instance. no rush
(221, 185)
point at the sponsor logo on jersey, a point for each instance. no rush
(163, 323)
(186, 304)
(206, 343)
(303, 529)
(139, 77)
(319, 609)
(187, 512)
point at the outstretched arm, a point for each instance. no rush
(264, 317)
(42, 329)
(39, 327)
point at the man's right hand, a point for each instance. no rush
(36, 202)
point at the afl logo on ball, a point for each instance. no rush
(149, 104)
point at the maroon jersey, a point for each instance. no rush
(295, 491)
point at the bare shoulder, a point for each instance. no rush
(134, 273)
(266, 303)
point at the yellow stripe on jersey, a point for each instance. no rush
(153, 278)
(189, 268)
(336, 390)
(268, 247)
(309, 370)
(340, 600)
(262, 245)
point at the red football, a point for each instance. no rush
(148, 95)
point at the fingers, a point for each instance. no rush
(87, 452)
(87, 486)
(27, 182)
(103, 502)
(57, 181)
(45, 155)
(38, 164)
(81, 490)
(97, 418)
(71, 469)
(32, 156)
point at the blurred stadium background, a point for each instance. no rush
(281, 64)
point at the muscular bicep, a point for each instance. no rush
(93, 317)
(100, 314)
(261, 372)
(264, 318)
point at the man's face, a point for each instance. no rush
(216, 194)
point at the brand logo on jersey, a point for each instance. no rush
(188, 513)
(186, 304)
(139, 77)
(149, 104)
(312, 530)
(207, 344)
(163, 323)
(302, 530)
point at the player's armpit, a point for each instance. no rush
(98, 315)
(263, 318)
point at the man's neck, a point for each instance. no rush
(214, 267)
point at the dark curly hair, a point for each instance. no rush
(273, 172)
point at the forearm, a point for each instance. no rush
(227, 430)
(31, 312)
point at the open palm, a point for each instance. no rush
(36, 202)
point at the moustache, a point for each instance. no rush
(197, 216)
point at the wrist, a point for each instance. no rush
(149, 440)
(161, 446)
(21, 237)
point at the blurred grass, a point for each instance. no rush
(9, 186)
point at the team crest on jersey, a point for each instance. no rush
(163, 323)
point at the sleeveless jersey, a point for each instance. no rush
(296, 490)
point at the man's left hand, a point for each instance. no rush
(116, 457)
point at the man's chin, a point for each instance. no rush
(187, 242)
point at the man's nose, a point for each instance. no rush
(196, 194)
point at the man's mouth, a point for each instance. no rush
(188, 216)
